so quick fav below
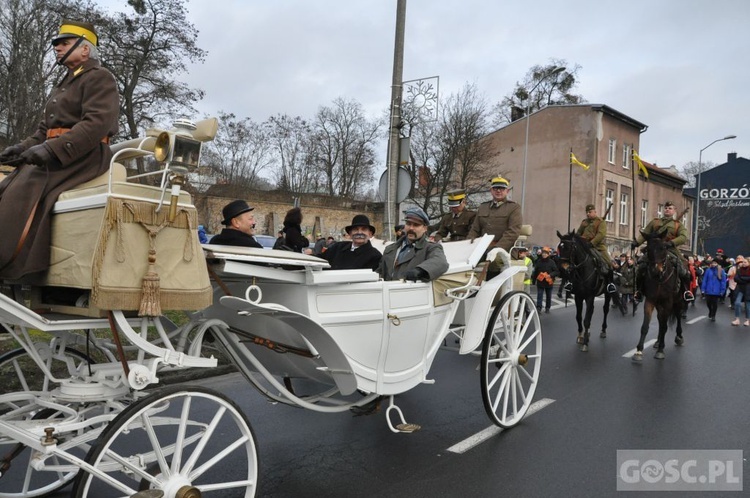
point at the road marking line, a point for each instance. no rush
(493, 430)
(696, 319)
(645, 345)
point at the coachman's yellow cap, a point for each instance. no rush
(76, 29)
(456, 197)
(500, 182)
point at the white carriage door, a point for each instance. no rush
(406, 328)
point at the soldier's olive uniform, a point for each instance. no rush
(678, 235)
(503, 220)
(457, 226)
(595, 231)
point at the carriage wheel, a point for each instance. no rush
(182, 441)
(511, 359)
(20, 373)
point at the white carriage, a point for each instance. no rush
(282, 318)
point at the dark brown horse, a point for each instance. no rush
(577, 264)
(662, 290)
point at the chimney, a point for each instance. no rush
(732, 156)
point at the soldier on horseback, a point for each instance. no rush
(594, 230)
(675, 235)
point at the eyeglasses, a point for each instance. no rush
(499, 188)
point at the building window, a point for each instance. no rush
(609, 198)
(612, 151)
(644, 213)
(660, 210)
(626, 156)
(623, 209)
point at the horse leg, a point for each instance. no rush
(579, 307)
(678, 340)
(663, 316)
(603, 333)
(648, 308)
(587, 322)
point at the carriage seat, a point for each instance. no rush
(118, 175)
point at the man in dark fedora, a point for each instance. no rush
(357, 252)
(413, 256)
(240, 226)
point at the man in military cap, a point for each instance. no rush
(594, 230)
(458, 222)
(240, 226)
(676, 235)
(499, 217)
(69, 147)
(413, 256)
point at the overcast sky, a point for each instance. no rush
(679, 66)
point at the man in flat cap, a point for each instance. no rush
(357, 252)
(413, 256)
(240, 226)
(675, 235)
(69, 147)
(593, 229)
(458, 222)
(499, 217)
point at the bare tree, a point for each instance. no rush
(240, 151)
(343, 145)
(691, 169)
(290, 139)
(539, 88)
(450, 153)
(147, 50)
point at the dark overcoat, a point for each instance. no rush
(341, 256)
(429, 256)
(86, 101)
(233, 237)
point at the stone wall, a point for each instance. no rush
(321, 214)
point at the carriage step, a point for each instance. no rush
(408, 428)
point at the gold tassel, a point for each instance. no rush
(150, 302)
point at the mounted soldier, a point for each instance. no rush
(594, 230)
(675, 235)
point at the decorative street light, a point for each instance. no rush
(698, 188)
(554, 70)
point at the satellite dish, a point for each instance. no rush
(403, 185)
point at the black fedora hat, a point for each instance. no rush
(234, 209)
(360, 220)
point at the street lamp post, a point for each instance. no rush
(554, 70)
(698, 188)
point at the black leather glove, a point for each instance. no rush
(11, 152)
(633, 245)
(669, 244)
(41, 155)
(416, 274)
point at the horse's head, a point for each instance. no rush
(572, 249)
(656, 248)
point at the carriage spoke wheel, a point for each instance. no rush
(179, 442)
(511, 359)
(19, 373)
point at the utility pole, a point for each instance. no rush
(392, 216)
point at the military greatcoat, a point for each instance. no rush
(675, 232)
(86, 102)
(457, 226)
(503, 221)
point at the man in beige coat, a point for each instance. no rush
(70, 146)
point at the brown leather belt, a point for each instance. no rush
(56, 132)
